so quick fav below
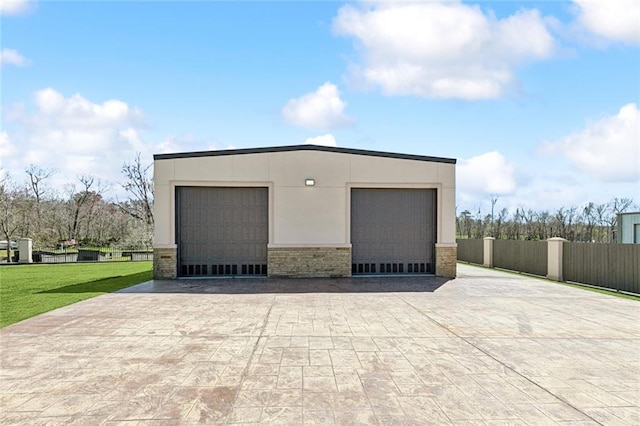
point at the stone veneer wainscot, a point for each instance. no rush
(446, 260)
(309, 262)
(165, 263)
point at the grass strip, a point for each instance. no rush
(29, 290)
(601, 290)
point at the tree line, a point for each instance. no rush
(79, 214)
(591, 222)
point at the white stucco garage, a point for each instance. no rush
(303, 211)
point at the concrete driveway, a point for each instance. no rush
(485, 348)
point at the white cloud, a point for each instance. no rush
(607, 149)
(6, 147)
(442, 49)
(488, 173)
(12, 57)
(322, 109)
(78, 112)
(324, 140)
(617, 20)
(73, 135)
(15, 7)
(186, 143)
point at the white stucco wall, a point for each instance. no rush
(301, 215)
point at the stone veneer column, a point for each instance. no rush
(554, 258)
(309, 262)
(165, 262)
(446, 259)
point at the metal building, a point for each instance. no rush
(628, 229)
(303, 211)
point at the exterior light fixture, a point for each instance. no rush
(309, 182)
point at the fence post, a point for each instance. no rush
(554, 258)
(488, 252)
(25, 246)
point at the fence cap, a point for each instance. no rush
(489, 238)
(557, 239)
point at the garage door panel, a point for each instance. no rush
(393, 230)
(220, 230)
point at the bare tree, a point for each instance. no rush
(618, 205)
(37, 178)
(518, 216)
(11, 196)
(140, 186)
(81, 203)
(559, 223)
(500, 222)
(589, 219)
(494, 201)
(466, 223)
(37, 190)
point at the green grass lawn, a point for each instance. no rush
(29, 290)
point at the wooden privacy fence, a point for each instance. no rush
(523, 256)
(614, 266)
(611, 266)
(470, 251)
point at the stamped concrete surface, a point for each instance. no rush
(486, 348)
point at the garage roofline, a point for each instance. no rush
(291, 148)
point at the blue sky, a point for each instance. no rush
(538, 101)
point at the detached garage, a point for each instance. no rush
(303, 211)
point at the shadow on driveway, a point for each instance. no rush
(104, 285)
(377, 284)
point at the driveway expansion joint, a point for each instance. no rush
(507, 366)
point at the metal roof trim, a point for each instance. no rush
(291, 148)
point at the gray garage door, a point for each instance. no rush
(393, 231)
(222, 231)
